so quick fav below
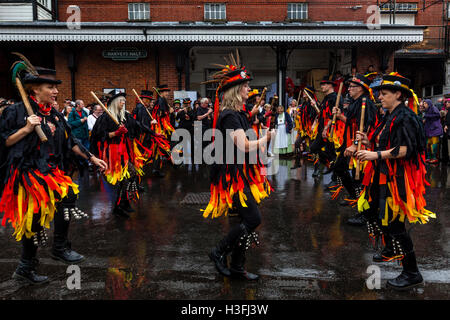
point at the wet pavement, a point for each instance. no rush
(307, 251)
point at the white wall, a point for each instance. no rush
(16, 12)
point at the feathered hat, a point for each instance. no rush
(31, 74)
(230, 75)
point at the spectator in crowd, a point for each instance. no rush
(11, 101)
(204, 114)
(433, 130)
(67, 110)
(78, 122)
(56, 106)
(266, 126)
(97, 112)
(196, 105)
(338, 79)
(283, 123)
(446, 139)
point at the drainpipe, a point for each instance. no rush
(73, 68)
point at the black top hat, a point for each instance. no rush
(326, 80)
(162, 88)
(44, 76)
(177, 101)
(113, 94)
(146, 94)
(395, 81)
(187, 100)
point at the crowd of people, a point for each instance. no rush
(370, 131)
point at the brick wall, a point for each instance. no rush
(94, 73)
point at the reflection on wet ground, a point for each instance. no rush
(307, 251)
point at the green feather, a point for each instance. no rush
(17, 67)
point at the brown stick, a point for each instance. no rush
(30, 112)
(142, 102)
(315, 106)
(333, 123)
(104, 108)
(361, 129)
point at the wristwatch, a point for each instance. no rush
(379, 155)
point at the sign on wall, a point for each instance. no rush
(124, 54)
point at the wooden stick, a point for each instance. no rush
(361, 129)
(104, 108)
(142, 102)
(333, 122)
(298, 98)
(263, 96)
(29, 109)
(315, 106)
(161, 97)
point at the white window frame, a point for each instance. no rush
(297, 11)
(46, 3)
(138, 11)
(214, 12)
(400, 7)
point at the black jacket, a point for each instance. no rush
(30, 153)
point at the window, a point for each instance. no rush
(399, 7)
(297, 11)
(138, 11)
(215, 11)
(46, 3)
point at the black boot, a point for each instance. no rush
(237, 265)
(62, 249)
(297, 163)
(410, 276)
(387, 253)
(27, 271)
(118, 211)
(125, 205)
(218, 255)
(383, 255)
(316, 170)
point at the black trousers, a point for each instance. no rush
(324, 156)
(395, 229)
(341, 171)
(250, 217)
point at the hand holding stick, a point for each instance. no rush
(315, 106)
(140, 100)
(361, 129)
(104, 108)
(30, 112)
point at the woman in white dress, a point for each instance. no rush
(283, 124)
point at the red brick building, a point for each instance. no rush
(175, 42)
